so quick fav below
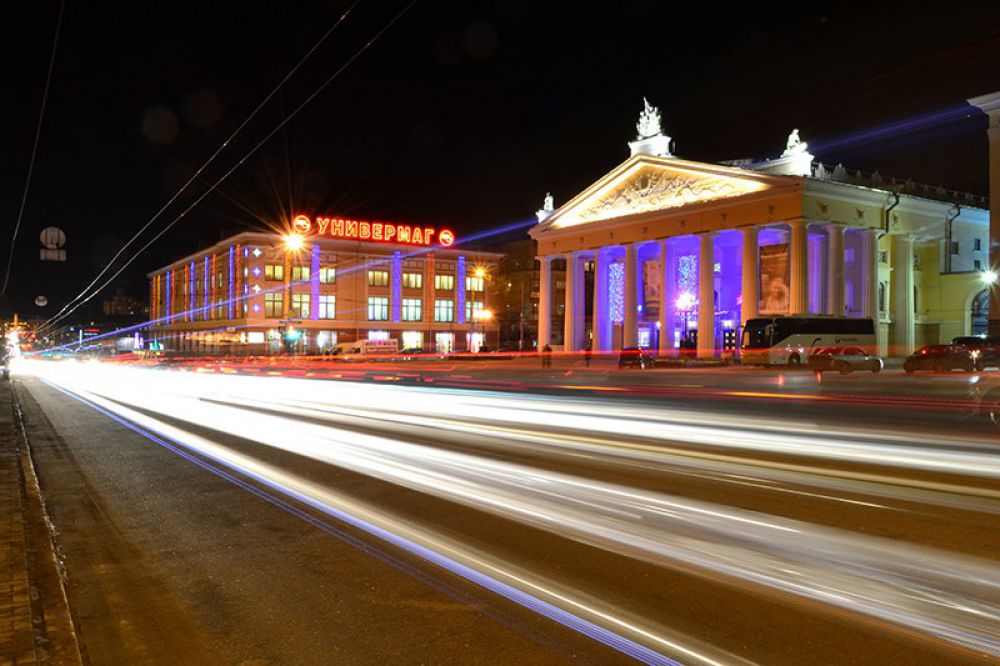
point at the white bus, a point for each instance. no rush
(790, 340)
(365, 349)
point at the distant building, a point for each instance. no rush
(122, 305)
(349, 280)
(663, 249)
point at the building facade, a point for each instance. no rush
(245, 294)
(685, 251)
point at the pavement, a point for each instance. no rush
(276, 519)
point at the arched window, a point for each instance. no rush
(980, 312)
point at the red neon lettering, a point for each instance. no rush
(352, 229)
(364, 230)
(403, 234)
(418, 236)
(390, 231)
(428, 236)
(376, 231)
(321, 224)
(337, 228)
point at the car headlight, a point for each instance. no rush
(975, 353)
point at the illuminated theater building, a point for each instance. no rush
(337, 281)
(663, 250)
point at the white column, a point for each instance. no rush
(544, 302)
(602, 316)
(798, 265)
(902, 295)
(571, 323)
(668, 296)
(990, 105)
(706, 295)
(870, 280)
(835, 280)
(751, 274)
(630, 334)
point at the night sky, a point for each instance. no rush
(462, 114)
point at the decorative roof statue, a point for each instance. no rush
(548, 207)
(649, 121)
(795, 145)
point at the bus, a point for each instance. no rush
(365, 349)
(789, 340)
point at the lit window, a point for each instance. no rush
(378, 279)
(473, 283)
(411, 309)
(300, 305)
(219, 278)
(300, 273)
(274, 272)
(444, 282)
(272, 306)
(378, 308)
(413, 280)
(444, 309)
(472, 308)
(327, 306)
(327, 275)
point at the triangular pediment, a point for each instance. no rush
(645, 184)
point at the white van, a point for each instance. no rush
(365, 349)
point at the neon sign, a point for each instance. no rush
(385, 232)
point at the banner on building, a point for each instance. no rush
(774, 279)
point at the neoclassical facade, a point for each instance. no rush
(665, 251)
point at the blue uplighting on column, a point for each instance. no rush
(397, 285)
(232, 277)
(460, 291)
(616, 291)
(190, 306)
(314, 283)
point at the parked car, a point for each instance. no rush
(844, 360)
(985, 350)
(635, 357)
(940, 358)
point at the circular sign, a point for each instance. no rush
(52, 238)
(446, 237)
(301, 224)
(41, 301)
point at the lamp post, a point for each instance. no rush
(480, 315)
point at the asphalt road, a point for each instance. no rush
(218, 517)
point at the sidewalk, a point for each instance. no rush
(17, 642)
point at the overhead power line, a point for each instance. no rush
(34, 149)
(239, 163)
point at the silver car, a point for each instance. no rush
(844, 360)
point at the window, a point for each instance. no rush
(378, 279)
(954, 247)
(881, 296)
(327, 306)
(327, 276)
(444, 282)
(218, 279)
(300, 273)
(300, 305)
(274, 272)
(411, 309)
(978, 265)
(977, 244)
(444, 309)
(272, 306)
(378, 307)
(916, 299)
(883, 256)
(473, 283)
(916, 262)
(413, 280)
(472, 308)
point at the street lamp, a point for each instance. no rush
(294, 242)
(989, 277)
(483, 316)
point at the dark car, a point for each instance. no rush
(844, 360)
(940, 358)
(635, 357)
(985, 350)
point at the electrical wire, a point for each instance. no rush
(197, 173)
(34, 149)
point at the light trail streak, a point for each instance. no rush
(926, 591)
